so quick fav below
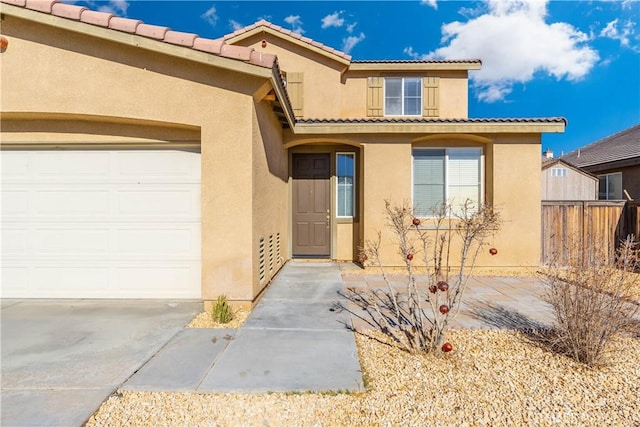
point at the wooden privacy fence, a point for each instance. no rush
(588, 229)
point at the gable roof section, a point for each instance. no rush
(278, 31)
(547, 163)
(139, 28)
(81, 19)
(623, 145)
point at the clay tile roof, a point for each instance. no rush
(420, 61)
(289, 33)
(124, 24)
(619, 146)
(67, 11)
(92, 17)
(137, 27)
(432, 120)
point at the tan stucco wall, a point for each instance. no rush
(387, 176)
(330, 94)
(48, 71)
(454, 89)
(322, 87)
(270, 196)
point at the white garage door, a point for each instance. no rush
(100, 224)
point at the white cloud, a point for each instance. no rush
(117, 7)
(432, 3)
(410, 52)
(350, 42)
(350, 27)
(333, 20)
(295, 22)
(514, 42)
(622, 33)
(210, 16)
(235, 25)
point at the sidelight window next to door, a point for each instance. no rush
(345, 183)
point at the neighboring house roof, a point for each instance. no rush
(137, 27)
(548, 162)
(623, 145)
(294, 37)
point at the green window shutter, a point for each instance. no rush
(431, 96)
(295, 87)
(375, 96)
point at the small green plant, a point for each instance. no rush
(222, 312)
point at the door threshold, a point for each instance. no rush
(311, 259)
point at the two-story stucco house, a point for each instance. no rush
(143, 162)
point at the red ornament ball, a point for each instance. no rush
(433, 289)
(416, 221)
(447, 347)
(444, 309)
(443, 286)
(493, 251)
(409, 257)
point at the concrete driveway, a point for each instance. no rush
(62, 358)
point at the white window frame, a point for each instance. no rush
(353, 193)
(559, 172)
(446, 169)
(402, 114)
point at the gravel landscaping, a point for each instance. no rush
(490, 378)
(205, 320)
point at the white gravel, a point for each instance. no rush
(496, 378)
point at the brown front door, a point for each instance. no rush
(311, 204)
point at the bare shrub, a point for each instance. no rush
(592, 302)
(417, 315)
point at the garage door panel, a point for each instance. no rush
(135, 281)
(161, 165)
(71, 240)
(55, 281)
(14, 241)
(78, 202)
(70, 164)
(88, 229)
(156, 203)
(142, 242)
(14, 202)
(15, 281)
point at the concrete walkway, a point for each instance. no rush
(488, 303)
(62, 358)
(292, 341)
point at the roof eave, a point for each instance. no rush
(416, 66)
(137, 41)
(408, 128)
(298, 42)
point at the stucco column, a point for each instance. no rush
(227, 262)
(387, 176)
(518, 201)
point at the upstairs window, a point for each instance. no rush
(402, 96)
(441, 176)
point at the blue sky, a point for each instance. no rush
(576, 59)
